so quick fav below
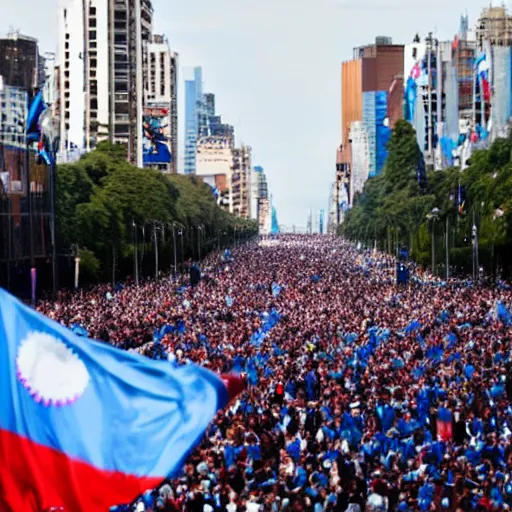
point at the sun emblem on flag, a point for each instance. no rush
(50, 371)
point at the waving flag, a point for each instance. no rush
(85, 426)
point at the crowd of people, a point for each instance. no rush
(361, 395)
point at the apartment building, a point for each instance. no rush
(160, 109)
(101, 61)
(242, 166)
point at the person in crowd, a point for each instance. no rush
(361, 396)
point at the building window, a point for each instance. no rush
(121, 129)
(92, 23)
(92, 11)
(120, 87)
(93, 44)
(92, 35)
(94, 63)
(94, 103)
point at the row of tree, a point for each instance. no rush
(117, 217)
(460, 220)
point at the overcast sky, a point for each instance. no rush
(274, 66)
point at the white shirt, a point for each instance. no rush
(252, 506)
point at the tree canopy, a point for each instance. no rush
(105, 207)
(399, 208)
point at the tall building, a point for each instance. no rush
(214, 164)
(49, 78)
(257, 190)
(439, 94)
(241, 176)
(193, 101)
(371, 103)
(174, 112)
(25, 207)
(202, 123)
(494, 26)
(160, 115)
(21, 65)
(210, 123)
(101, 61)
(70, 81)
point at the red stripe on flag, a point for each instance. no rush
(34, 478)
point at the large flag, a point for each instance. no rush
(85, 426)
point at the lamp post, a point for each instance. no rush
(474, 242)
(180, 234)
(155, 239)
(135, 254)
(199, 231)
(77, 270)
(174, 248)
(433, 216)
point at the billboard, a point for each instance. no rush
(264, 220)
(157, 136)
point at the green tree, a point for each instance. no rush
(101, 196)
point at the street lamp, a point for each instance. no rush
(155, 239)
(174, 249)
(199, 230)
(135, 253)
(433, 216)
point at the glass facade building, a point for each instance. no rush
(193, 107)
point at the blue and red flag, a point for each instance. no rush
(85, 426)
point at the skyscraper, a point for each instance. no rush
(241, 175)
(371, 103)
(160, 116)
(21, 65)
(25, 199)
(257, 189)
(101, 61)
(193, 101)
(174, 112)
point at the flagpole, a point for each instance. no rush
(174, 247)
(29, 207)
(53, 167)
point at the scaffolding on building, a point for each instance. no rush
(494, 25)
